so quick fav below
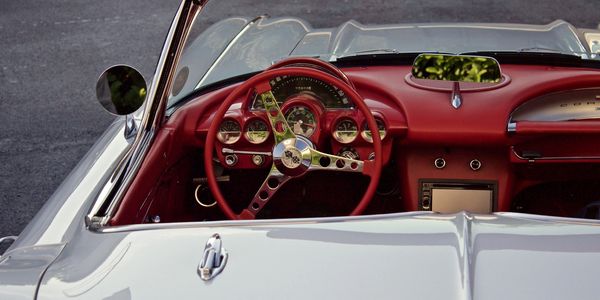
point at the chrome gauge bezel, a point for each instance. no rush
(337, 133)
(221, 134)
(365, 133)
(247, 131)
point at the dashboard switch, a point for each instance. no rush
(439, 163)
(258, 159)
(475, 165)
(231, 160)
(426, 203)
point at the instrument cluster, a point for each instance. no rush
(352, 140)
(346, 130)
(256, 131)
(312, 109)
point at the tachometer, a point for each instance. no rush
(345, 131)
(257, 131)
(302, 120)
(229, 132)
(366, 133)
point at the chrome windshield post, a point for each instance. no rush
(153, 111)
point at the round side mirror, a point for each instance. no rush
(121, 90)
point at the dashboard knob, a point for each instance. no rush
(475, 165)
(258, 159)
(439, 163)
(231, 160)
(371, 156)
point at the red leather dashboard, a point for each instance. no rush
(424, 126)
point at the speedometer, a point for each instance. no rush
(302, 120)
(283, 87)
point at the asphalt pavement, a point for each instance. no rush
(51, 53)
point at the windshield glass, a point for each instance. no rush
(226, 41)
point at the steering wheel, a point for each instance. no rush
(293, 156)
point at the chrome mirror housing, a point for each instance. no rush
(455, 69)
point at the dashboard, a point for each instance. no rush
(500, 135)
(489, 140)
(529, 145)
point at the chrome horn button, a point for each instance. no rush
(292, 156)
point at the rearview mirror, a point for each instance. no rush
(121, 90)
(457, 68)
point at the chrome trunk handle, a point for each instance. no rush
(214, 258)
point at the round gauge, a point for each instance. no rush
(229, 132)
(345, 131)
(302, 120)
(366, 133)
(283, 87)
(348, 152)
(257, 131)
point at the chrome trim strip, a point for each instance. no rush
(231, 151)
(511, 127)
(155, 107)
(264, 222)
(547, 106)
(130, 172)
(300, 221)
(550, 158)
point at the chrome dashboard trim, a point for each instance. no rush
(565, 105)
(550, 158)
(231, 151)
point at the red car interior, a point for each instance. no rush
(430, 151)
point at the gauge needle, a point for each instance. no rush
(299, 122)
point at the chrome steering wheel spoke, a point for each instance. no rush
(279, 125)
(324, 161)
(275, 180)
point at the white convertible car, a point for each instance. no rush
(270, 159)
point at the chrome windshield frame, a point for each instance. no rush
(153, 115)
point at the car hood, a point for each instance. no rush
(418, 255)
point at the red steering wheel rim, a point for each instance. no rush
(261, 79)
(315, 63)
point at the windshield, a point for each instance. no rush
(226, 41)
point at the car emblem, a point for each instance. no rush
(291, 158)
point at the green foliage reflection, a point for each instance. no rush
(456, 68)
(127, 89)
